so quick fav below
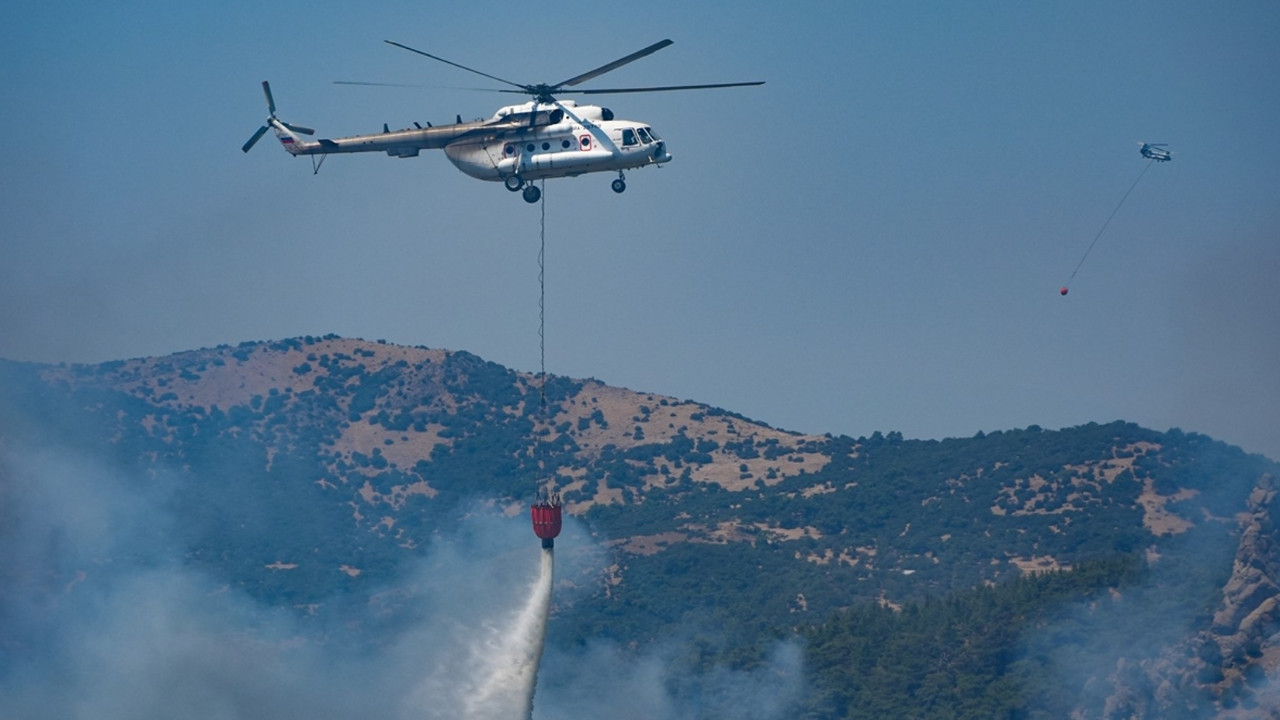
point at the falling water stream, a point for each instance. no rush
(505, 689)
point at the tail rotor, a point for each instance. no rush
(271, 101)
(254, 140)
(273, 121)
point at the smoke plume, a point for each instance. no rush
(102, 616)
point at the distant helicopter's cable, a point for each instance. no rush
(1105, 224)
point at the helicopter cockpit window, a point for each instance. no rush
(644, 136)
(628, 137)
(654, 134)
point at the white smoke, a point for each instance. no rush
(1125, 653)
(606, 682)
(99, 619)
(102, 617)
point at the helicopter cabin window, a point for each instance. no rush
(644, 136)
(628, 137)
(565, 144)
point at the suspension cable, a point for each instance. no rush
(542, 302)
(542, 324)
(1108, 222)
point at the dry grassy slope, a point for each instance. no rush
(217, 377)
(1086, 481)
(227, 377)
(632, 418)
(596, 417)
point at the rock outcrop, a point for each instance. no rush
(1250, 612)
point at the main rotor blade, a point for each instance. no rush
(375, 84)
(615, 64)
(460, 67)
(256, 137)
(271, 102)
(604, 91)
(419, 85)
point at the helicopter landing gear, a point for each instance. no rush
(620, 184)
(532, 194)
(513, 183)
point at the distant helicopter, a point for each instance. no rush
(1155, 151)
(543, 138)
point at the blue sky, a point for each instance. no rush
(871, 241)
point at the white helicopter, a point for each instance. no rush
(543, 138)
(1156, 151)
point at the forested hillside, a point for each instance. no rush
(1107, 569)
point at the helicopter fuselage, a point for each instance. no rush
(580, 141)
(1155, 151)
(530, 141)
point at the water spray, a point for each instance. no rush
(510, 670)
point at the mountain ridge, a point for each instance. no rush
(312, 466)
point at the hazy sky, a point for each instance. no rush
(873, 240)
